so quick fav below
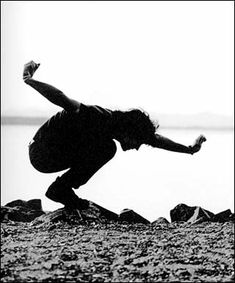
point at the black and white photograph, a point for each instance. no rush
(117, 141)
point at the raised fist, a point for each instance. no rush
(197, 144)
(29, 69)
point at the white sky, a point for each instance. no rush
(166, 57)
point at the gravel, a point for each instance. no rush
(62, 252)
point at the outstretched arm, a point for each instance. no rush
(53, 94)
(165, 143)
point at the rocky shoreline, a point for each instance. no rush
(97, 245)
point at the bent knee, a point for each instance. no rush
(38, 165)
(111, 149)
(42, 162)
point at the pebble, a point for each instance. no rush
(116, 252)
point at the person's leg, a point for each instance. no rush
(82, 169)
(47, 158)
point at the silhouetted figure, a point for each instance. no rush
(80, 138)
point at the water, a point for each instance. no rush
(150, 181)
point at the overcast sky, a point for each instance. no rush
(166, 57)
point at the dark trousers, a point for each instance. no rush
(82, 161)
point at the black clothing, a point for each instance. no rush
(78, 141)
(91, 122)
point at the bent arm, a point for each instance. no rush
(54, 95)
(167, 144)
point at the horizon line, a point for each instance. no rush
(37, 121)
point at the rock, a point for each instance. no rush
(223, 216)
(200, 215)
(231, 217)
(15, 203)
(23, 211)
(161, 220)
(183, 212)
(53, 217)
(94, 213)
(109, 215)
(34, 204)
(131, 216)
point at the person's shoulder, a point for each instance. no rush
(96, 109)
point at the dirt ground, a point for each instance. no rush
(117, 252)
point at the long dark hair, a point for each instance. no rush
(136, 123)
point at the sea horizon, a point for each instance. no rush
(207, 121)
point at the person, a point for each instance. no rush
(81, 137)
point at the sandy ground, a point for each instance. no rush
(117, 252)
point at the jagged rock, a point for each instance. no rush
(196, 214)
(23, 211)
(224, 216)
(231, 217)
(109, 215)
(58, 215)
(34, 204)
(181, 212)
(131, 216)
(200, 215)
(161, 220)
(94, 213)
(184, 213)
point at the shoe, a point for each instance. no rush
(65, 195)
